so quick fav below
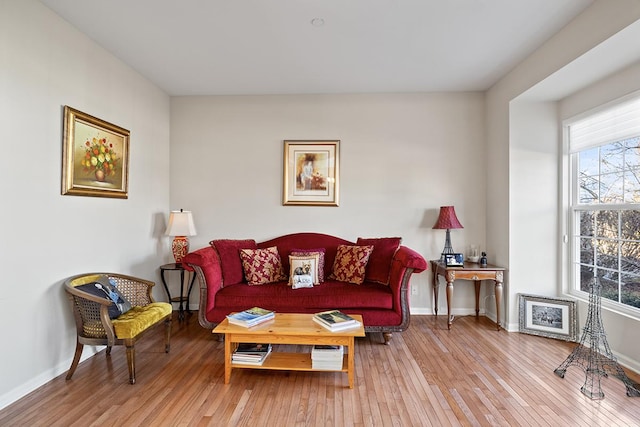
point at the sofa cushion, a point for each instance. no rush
(138, 319)
(261, 266)
(303, 266)
(230, 262)
(280, 297)
(379, 265)
(320, 252)
(350, 263)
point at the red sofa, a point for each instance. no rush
(384, 306)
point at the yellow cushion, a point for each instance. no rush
(138, 319)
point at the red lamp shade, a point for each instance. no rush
(447, 219)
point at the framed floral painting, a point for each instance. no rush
(95, 156)
(311, 173)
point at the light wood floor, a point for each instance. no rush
(470, 376)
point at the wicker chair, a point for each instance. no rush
(94, 327)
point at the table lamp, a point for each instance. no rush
(447, 220)
(180, 226)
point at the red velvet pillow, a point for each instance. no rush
(262, 266)
(307, 252)
(350, 263)
(230, 262)
(379, 265)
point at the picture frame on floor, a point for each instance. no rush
(548, 317)
(95, 156)
(311, 173)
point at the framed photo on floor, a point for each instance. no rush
(311, 173)
(95, 156)
(548, 317)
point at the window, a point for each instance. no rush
(605, 202)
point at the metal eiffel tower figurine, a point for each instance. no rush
(593, 354)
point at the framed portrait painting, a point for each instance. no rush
(548, 317)
(95, 156)
(311, 173)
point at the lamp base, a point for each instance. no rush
(448, 250)
(180, 247)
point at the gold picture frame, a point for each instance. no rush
(311, 173)
(95, 156)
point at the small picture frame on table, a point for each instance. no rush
(548, 317)
(454, 260)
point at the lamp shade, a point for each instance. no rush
(181, 224)
(447, 220)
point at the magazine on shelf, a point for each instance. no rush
(326, 365)
(251, 353)
(327, 357)
(327, 352)
(335, 320)
(250, 317)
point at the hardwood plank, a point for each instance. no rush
(428, 375)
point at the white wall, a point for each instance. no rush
(401, 158)
(533, 213)
(47, 237)
(514, 117)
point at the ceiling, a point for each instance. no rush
(220, 47)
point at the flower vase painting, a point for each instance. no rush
(95, 157)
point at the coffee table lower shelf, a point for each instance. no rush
(283, 361)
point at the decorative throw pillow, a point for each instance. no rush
(262, 266)
(307, 252)
(304, 271)
(104, 288)
(230, 262)
(379, 265)
(350, 263)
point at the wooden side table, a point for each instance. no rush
(470, 271)
(182, 298)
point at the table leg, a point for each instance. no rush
(227, 358)
(435, 292)
(181, 312)
(477, 284)
(166, 288)
(498, 291)
(351, 365)
(449, 298)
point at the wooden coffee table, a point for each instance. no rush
(288, 328)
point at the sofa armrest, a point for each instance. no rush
(408, 258)
(405, 262)
(206, 265)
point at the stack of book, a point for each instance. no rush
(335, 320)
(327, 357)
(250, 354)
(251, 317)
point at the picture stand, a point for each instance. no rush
(596, 360)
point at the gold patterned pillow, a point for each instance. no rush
(262, 266)
(350, 263)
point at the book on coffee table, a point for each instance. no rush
(251, 317)
(335, 320)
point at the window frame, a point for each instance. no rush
(574, 207)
